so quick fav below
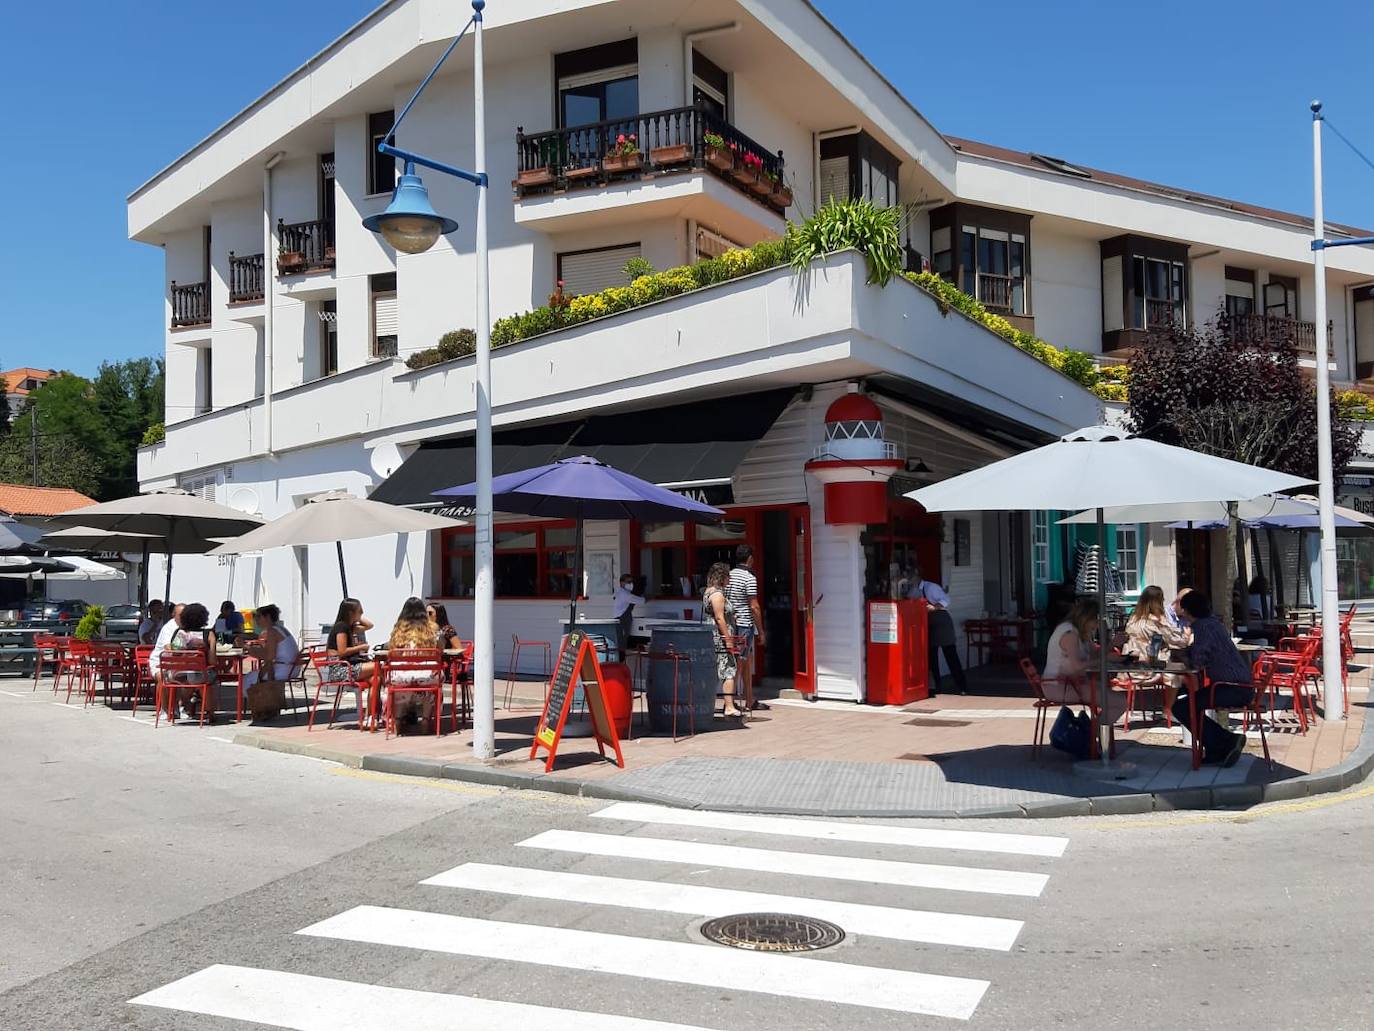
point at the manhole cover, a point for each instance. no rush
(935, 721)
(772, 932)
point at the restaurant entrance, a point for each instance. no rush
(782, 549)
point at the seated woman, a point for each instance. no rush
(443, 630)
(347, 643)
(413, 629)
(1150, 623)
(275, 649)
(192, 635)
(1067, 678)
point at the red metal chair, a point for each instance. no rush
(460, 684)
(415, 671)
(324, 664)
(1076, 692)
(1290, 671)
(49, 654)
(979, 635)
(295, 677)
(76, 663)
(1132, 686)
(183, 669)
(141, 677)
(105, 664)
(517, 646)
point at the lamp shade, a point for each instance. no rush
(410, 223)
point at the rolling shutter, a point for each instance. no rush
(835, 179)
(588, 272)
(385, 325)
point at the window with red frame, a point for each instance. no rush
(674, 557)
(533, 560)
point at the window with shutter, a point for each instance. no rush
(711, 244)
(204, 487)
(385, 325)
(834, 179)
(588, 272)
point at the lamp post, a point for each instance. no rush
(411, 225)
(1332, 660)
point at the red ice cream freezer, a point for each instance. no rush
(898, 660)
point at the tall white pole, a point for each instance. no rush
(1333, 665)
(484, 692)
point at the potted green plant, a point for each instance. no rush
(624, 154)
(289, 262)
(91, 623)
(781, 195)
(718, 153)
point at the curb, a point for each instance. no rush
(1351, 771)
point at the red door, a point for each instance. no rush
(803, 603)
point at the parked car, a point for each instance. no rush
(121, 622)
(56, 611)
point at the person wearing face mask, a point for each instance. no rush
(623, 609)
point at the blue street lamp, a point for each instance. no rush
(411, 225)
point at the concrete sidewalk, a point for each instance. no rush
(948, 756)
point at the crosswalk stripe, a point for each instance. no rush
(976, 932)
(679, 962)
(306, 1003)
(872, 834)
(805, 864)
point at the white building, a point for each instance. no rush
(287, 377)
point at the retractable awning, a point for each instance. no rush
(693, 446)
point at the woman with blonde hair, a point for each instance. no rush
(1150, 635)
(413, 630)
(1067, 659)
(720, 614)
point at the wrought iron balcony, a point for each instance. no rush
(305, 246)
(1267, 331)
(678, 139)
(190, 304)
(245, 277)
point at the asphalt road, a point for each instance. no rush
(210, 881)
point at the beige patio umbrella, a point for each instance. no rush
(183, 523)
(335, 516)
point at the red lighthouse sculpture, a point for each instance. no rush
(855, 462)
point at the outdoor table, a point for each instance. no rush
(231, 661)
(459, 673)
(1189, 675)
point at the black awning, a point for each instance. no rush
(687, 445)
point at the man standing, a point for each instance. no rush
(1215, 653)
(939, 632)
(743, 592)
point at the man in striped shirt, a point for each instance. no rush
(743, 594)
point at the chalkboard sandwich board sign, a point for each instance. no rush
(577, 664)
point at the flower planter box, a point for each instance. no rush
(763, 186)
(744, 175)
(577, 175)
(676, 154)
(329, 253)
(617, 163)
(540, 176)
(782, 197)
(720, 158)
(289, 262)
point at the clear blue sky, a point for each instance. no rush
(1210, 95)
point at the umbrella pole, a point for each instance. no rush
(343, 573)
(143, 581)
(1104, 729)
(167, 586)
(576, 575)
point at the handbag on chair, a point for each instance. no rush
(1072, 734)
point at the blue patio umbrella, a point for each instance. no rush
(583, 488)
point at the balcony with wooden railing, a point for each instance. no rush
(190, 304)
(305, 246)
(683, 139)
(1271, 331)
(245, 278)
(996, 292)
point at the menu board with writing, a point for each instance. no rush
(882, 622)
(577, 663)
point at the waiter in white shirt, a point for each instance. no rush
(939, 631)
(623, 609)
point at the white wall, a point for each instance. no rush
(1066, 288)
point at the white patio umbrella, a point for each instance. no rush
(185, 523)
(335, 516)
(1198, 512)
(1102, 468)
